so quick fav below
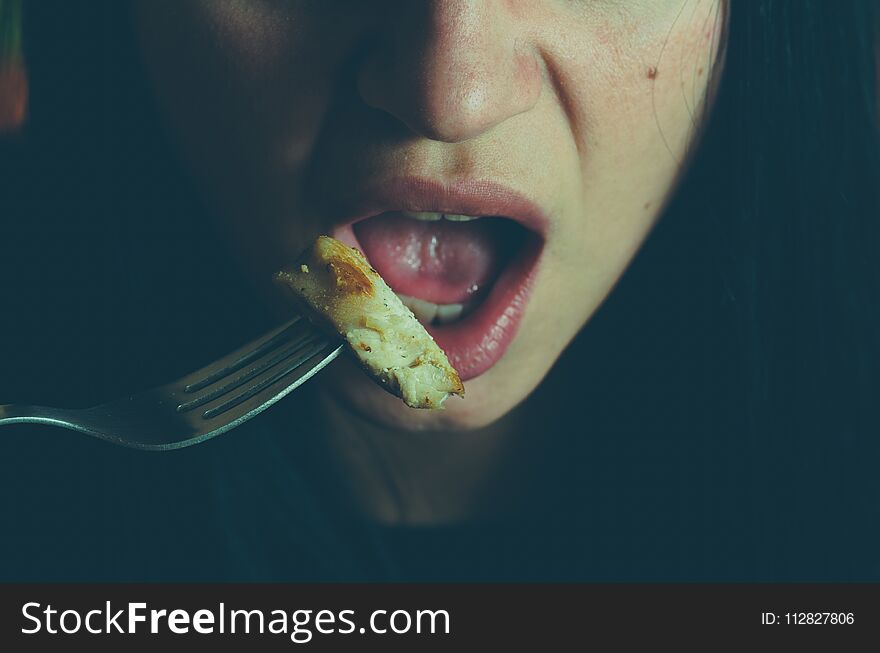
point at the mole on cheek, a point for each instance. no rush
(652, 72)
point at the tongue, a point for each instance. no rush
(441, 261)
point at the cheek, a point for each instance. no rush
(644, 69)
(681, 67)
(633, 88)
(252, 35)
(246, 86)
(244, 75)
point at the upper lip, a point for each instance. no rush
(476, 197)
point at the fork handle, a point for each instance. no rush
(23, 414)
(66, 418)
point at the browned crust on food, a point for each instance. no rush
(349, 279)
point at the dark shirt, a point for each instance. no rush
(632, 507)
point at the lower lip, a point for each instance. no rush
(475, 343)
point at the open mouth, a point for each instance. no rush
(466, 277)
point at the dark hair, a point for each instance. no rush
(744, 340)
(801, 229)
(741, 348)
(795, 149)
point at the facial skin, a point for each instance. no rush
(586, 107)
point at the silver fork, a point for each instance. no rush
(208, 402)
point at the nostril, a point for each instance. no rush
(453, 80)
(448, 107)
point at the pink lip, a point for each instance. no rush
(478, 341)
(464, 197)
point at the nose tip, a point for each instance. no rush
(464, 72)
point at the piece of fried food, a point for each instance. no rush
(344, 293)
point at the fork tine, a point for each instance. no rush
(297, 363)
(293, 348)
(236, 360)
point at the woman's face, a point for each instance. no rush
(567, 120)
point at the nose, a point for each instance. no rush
(451, 70)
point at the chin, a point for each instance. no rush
(488, 398)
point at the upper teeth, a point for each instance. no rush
(429, 216)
